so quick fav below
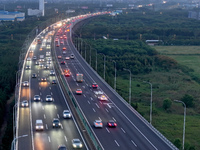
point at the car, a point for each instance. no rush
(67, 58)
(41, 65)
(98, 92)
(39, 125)
(61, 37)
(48, 61)
(34, 57)
(49, 98)
(52, 73)
(56, 123)
(25, 83)
(67, 74)
(37, 63)
(31, 51)
(62, 147)
(28, 59)
(24, 103)
(53, 82)
(103, 98)
(43, 79)
(79, 91)
(34, 75)
(98, 124)
(46, 66)
(36, 98)
(57, 45)
(66, 114)
(64, 48)
(40, 48)
(111, 123)
(48, 54)
(59, 57)
(64, 52)
(62, 62)
(94, 85)
(49, 58)
(28, 67)
(72, 56)
(76, 143)
(48, 46)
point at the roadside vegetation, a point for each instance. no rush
(173, 71)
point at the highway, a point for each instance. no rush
(50, 138)
(132, 131)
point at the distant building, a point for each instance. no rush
(194, 15)
(37, 12)
(154, 42)
(11, 16)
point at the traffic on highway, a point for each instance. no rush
(44, 111)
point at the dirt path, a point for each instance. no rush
(3, 128)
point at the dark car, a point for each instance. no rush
(94, 85)
(62, 62)
(62, 147)
(53, 82)
(56, 123)
(111, 123)
(34, 75)
(43, 79)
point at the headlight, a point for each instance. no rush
(37, 127)
(53, 124)
(59, 124)
(81, 145)
(42, 127)
(74, 145)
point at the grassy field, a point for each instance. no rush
(173, 85)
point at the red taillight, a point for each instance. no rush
(115, 124)
(109, 124)
(100, 123)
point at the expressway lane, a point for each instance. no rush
(50, 138)
(132, 132)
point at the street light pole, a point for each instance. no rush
(90, 56)
(96, 60)
(150, 102)
(183, 120)
(115, 80)
(129, 85)
(13, 142)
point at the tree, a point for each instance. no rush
(177, 143)
(167, 103)
(188, 100)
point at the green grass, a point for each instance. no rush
(171, 84)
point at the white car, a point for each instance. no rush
(34, 57)
(24, 103)
(49, 98)
(98, 92)
(98, 124)
(67, 114)
(36, 98)
(103, 98)
(72, 56)
(28, 67)
(76, 143)
(67, 58)
(52, 73)
(26, 83)
(28, 59)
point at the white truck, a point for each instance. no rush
(79, 77)
(41, 58)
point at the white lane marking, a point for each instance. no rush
(84, 95)
(50, 88)
(123, 130)
(61, 126)
(133, 143)
(97, 105)
(65, 138)
(49, 139)
(86, 84)
(114, 119)
(55, 107)
(46, 126)
(51, 93)
(91, 98)
(116, 143)
(95, 95)
(106, 110)
(99, 118)
(39, 88)
(44, 116)
(43, 107)
(58, 115)
(88, 102)
(107, 130)
(40, 93)
(77, 84)
(108, 105)
(83, 87)
(90, 89)
(100, 102)
(94, 110)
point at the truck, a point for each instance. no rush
(41, 57)
(79, 77)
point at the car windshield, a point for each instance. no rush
(48, 96)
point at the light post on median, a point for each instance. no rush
(90, 55)
(150, 101)
(115, 80)
(96, 60)
(129, 85)
(183, 120)
(13, 142)
(104, 66)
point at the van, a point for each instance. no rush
(39, 125)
